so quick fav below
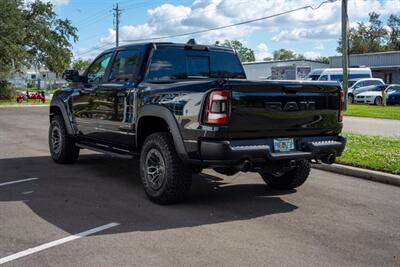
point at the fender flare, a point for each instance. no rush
(65, 112)
(165, 114)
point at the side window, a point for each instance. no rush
(337, 77)
(375, 82)
(96, 71)
(124, 66)
(323, 78)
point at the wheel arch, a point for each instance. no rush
(156, 118)
(59, 107)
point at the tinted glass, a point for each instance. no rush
(177, 63)
(336, 77)
(198, 66)
(96, 71)
(313, 77)
(359, 75)
(124, 66)
(324, 78)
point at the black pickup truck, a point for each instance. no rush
(181, 108)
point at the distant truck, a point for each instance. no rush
(289, 72)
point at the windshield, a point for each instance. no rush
(175, 63)
(314, 75)
(351, 83)
(392, 89)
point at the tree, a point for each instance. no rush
(283, 54)
(12, 35)
(32, 35)
(374, 36)
(245, 54)
(322, 59)
(81, 64)
(394, 36)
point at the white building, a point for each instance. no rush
(263, 69)
(40, 78)
(384, 65)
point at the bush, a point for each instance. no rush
(7, 92)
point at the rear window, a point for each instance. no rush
(169, 63)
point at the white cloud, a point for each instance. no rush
(318, 45)
(54, 2)
(321, 24)
(311, 54)
(60, 2)
(262, 52)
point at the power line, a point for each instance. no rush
(231, 25)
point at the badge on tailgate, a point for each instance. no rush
(283, 144)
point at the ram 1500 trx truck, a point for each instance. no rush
(181, 108)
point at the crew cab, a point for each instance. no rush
(181, 108)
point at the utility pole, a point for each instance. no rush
(345, 51)
(116, 23)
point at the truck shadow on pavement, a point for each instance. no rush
(98, 190)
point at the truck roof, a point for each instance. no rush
(170, 44)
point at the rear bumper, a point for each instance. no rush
(231, 152)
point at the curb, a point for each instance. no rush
(380, 177)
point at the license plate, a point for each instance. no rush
(283, 144)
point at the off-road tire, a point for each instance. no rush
(66, 152)
(177, 177)
(289, 180)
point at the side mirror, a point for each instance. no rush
(73, 76)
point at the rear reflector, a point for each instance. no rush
(218, 108)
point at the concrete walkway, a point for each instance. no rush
(370, 126)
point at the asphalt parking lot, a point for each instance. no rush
(332, 220)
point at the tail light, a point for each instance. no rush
(218, 108)
(341, 100)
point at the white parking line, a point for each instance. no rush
(56, 243)
(19, 181)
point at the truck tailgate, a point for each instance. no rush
(284, 108)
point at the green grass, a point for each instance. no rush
(372, 152)
(384, 112)
(31, 102)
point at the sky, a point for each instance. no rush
(310, 32)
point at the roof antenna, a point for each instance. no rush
(191, 42)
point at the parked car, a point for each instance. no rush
(355, 85)
(393, 95)
(336, 74)
(374, 96)
(180, 108)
